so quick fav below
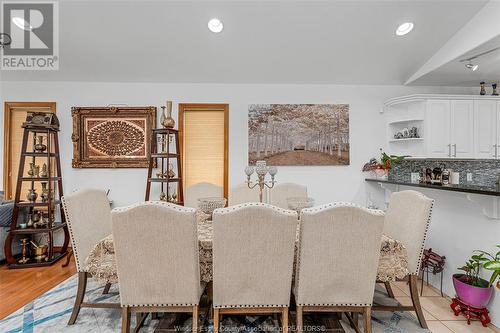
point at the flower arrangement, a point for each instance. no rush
(386, 162)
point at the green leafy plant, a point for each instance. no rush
(482, 259)
(386, 162)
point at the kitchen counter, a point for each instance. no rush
(465, 188)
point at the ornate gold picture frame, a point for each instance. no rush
(112, 137)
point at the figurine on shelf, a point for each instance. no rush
(29, 224)
(35, 217)
(166, 118)
(32, 195)
(45, 192)
(495, 92)
(24, 251)
(39, 146)
(483, 90)
(44, 173)
(163, 196)
(170, 172)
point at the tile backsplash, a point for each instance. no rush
(484, 172)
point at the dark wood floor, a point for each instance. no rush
(18, 287)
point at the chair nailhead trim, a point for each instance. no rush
(335, 304)
(169, 205)
(74, 244)
(227, 210)
(167, 304)
(251, 306)
(422, 247)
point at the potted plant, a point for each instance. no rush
(470, 287)
(381, 167)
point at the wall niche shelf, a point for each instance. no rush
(404, 121)
(406, 140)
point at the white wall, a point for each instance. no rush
(326, 183)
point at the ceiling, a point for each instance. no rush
(341, 42)
(454, 73)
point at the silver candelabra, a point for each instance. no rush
(261, 169)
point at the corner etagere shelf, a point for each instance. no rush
(44, 208)
(162, 157)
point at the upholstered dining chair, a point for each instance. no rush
(337, 261)
(201, 190)
(407, 220)
(88, 216)
(242, 194)
(156, 247)
(279, 194)
(253, 252)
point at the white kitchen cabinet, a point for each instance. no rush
(486, 129)
(462, 128)
(438, 128)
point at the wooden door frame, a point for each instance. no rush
(207, 107)
(7, 154)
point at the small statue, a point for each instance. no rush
(163, 196)
(44, 173)
(166, 118)
(494, 86)
(32, 195)
(170, 172)
(483, 90)
(45, 192)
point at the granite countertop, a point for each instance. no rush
(466, 188)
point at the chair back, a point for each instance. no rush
(279, 194)
(407, 220)
(88, 215)
(253, 251)
(242, 194)
(201, 190)
(156, 248)
(338, 255)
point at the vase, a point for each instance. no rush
(166, 116)
(31, 171)
(32, 195)
(39, 146)
(495, 92)
(483, 90)
(471, 295)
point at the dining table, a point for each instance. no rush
(101, 262)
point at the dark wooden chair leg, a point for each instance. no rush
(389, 289)
(80, 294)
(416, 301)
(125, 319)
(300, 319)
(68, 258)
(106, 288)
(367, 314)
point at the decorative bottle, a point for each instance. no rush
(166, 116)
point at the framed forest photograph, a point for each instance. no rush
(112, 137)
(298, 134)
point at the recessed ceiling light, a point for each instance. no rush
(215, 25)
(21, 23)
(404, 28)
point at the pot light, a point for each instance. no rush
(215, 25)
(404, 28)
(21, 23)
(471, 66)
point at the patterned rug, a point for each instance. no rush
(50, 313)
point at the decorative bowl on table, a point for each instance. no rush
(209, 204)
(299, 203)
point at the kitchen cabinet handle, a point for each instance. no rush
(455, 150)
(449, 150)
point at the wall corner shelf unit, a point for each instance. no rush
(35, 230)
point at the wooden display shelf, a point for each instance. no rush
(57, 226)
(164, 180)
(164, 155)
(39, 179)
(34, 154)
(33, 263)
(36, 203)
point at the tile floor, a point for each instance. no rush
(437, 311)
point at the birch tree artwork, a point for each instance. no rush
(298, 134)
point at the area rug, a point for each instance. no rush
(51, 311)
